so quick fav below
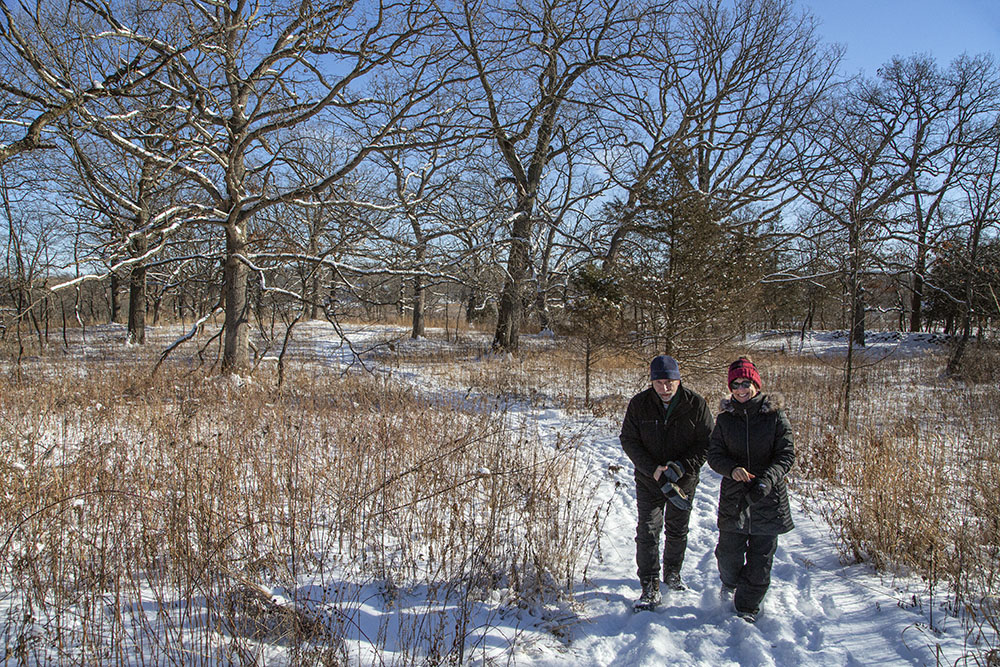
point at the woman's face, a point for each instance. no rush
(743, 389)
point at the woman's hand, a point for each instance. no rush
(741, 474)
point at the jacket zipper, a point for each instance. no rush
(746, 418)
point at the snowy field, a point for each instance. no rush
(818, 611)
(878, 344)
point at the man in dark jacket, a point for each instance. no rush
(665, 433)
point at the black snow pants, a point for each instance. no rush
(745, 564)
(658, 516)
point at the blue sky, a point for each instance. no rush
(876, 30)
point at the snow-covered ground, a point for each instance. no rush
(878, 344)
(817, 612)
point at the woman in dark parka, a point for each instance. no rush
(751, 447)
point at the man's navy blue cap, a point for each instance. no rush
(664, 367)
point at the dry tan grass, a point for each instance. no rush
(190, 493)
(118, 487)
(910, 484)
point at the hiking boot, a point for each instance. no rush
(650, 597)
(673, 581)
(748, 616)
(726, 593)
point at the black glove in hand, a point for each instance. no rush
(674, 471)
(668, 484)
(759, 489)
(676, 496)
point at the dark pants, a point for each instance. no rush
(658, 516)
(745, 564)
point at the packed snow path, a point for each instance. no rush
(817, 611)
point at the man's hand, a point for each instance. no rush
(739, 474)
(674, 470)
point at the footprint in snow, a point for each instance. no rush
(830, 607)
(811, 633)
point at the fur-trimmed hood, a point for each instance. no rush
(769, 403)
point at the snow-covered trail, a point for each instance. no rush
(817, 612)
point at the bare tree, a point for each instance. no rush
(322, 234)
(981, 188)
(862, 179)
(722, 102)
(55, 58)
(894, 149)
(249, 75)
(944, 114)
(129, 206)
(478, 213)
(528, 59)
(422, 173)
(27, 257)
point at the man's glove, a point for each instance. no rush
(674, 471)
(759, 489)
(668, 484)
(676, 496)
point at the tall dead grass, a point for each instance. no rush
(911, 484)
(196, 520)
(191, 519)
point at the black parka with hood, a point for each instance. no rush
(756, 436)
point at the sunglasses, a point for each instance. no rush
(740, 385)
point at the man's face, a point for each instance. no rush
(666, 388)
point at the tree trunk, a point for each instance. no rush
(858, 318)
(157, 302)
(470, 305)
(116, 290)
(917, 296)
(314, 296)
(955, 362)
(137, 305)
(542, 307)
(509, 314)
(311, 284)
(857, 331)
(419, 301)
(511, 309)
(137, 289)
(420, 296)
(236, 348)
(618, 237)
(845, 411)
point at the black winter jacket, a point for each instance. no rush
(651, 440)
(756, 436)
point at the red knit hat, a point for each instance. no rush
(743, 368)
